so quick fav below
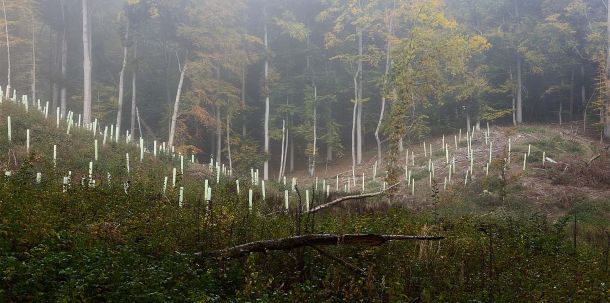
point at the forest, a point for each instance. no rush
(305, 150)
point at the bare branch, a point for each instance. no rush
(343, 199)
(311, 240)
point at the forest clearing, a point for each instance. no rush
(305, 151)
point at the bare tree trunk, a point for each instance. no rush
(359, 103)
(513, 93)
(134, 94)
(52, 61)
(266, 40)
(33, 59)
(468, 123)
(519, 92)
(119, 115)
(315, 129)
(354, 112)
(243, 97)
(572, 95)
(64, 67)
(218, 134)
(519, 73)
(172, 129)
(291, 142)
(607, 118)
(383, 98)
(286, 152)
(86, 64)
(8, 45)
(281, 173)
(229, 142)
(583, 90)
(560, 112)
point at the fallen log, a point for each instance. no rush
(347, 198)
(291, 243)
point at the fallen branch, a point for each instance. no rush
(593, 159)
(310, 240)
(347, 198)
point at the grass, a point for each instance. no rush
(102, 244)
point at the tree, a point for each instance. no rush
(86, 64)
(429, 57)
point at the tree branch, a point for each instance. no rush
(343, 199)
(310, 240)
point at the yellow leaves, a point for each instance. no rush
(133, 2)
(478, 43)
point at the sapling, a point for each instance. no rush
(141, 149)
(529, 149)
(307, 200)
(413, 187)
(206, 185)
(263, 189)
(466, 178)
(316, 186)
(10, 135)
(54, 156)
(250, 193)
(164, 184)
(337, 189)
(524, 160)
(181, 197)
(174, 177)
(127, 161)
(182, 165)
(27, 140)
(328, 191)
(286, 205)
(38, 178)
(96, 151)
(105, 136)
(155, 148)
(425, 152)
(57, 118)
(362, 182)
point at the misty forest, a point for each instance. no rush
(305, 151)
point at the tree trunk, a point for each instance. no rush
(281, 173)
(519, 92)
(243, 98)
(218, 134)
(172, 129)
(583, 90)
(134, 94)
(8, 46)
(513, 93)
(119, 115)
(359, 103)
(64, 68)
(607, 121)
(291, 142)
(229, 142)
(468, 123)
(86, 64)
(266, 89)
(315, 130)
(383, 98)
(572, 95)
(519, 104)
(329, 152)
(560, 112)
(354, 113)
(33, 59)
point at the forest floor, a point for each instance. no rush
(552, 188)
